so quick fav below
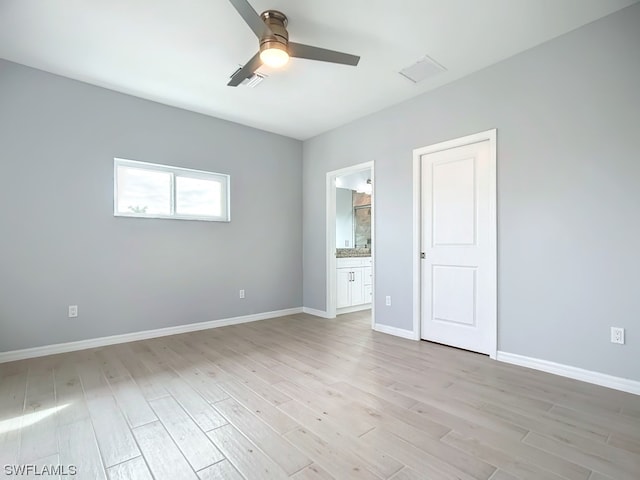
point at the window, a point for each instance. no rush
(160, 191)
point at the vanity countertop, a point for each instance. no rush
(352, 252)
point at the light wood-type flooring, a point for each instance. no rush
(306, 398)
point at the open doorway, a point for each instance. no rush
(350, 240)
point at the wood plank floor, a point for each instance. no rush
(307, 398)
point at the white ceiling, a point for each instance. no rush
(182, 53)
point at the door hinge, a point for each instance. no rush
(423, 255)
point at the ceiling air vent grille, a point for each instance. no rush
(254, 80)
(422, 69)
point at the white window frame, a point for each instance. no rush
(175, 172)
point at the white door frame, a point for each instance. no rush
(331, 235)
(491, 136)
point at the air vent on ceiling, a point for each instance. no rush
(254, 80)
(422, 69)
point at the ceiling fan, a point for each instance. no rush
(275, 48)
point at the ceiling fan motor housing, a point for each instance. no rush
(277, 22)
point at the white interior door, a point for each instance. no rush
(459, 244)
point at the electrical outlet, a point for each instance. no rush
(617, 335)
(241, 293)
(73, 311)
(388, 301)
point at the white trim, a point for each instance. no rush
(330, 240)
(354, 308)
(398, 332)
(488, 135)
(316, 313)
(374, 244)
(417, 247)
(493, 218)
(330, 244)
(135, 336)
(603, 379)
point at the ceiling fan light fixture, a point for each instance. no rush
(275, 49)
(274, 54)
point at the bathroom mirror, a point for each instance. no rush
(344, 218)
(353, 210)
(362, 226)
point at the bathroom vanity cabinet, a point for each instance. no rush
(354, 282)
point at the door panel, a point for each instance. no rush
(367, 275)
(459, 242)
(454, 294)
(454, 202)
(368, 294)
(343, 284)
(357, 286)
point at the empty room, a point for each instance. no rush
(271, 239)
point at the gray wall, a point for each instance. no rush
(61, 245)
(568, 120)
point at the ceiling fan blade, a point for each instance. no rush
(246, 71)
(322, 54)
(252, 18)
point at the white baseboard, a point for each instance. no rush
(135, 336)
(317, 313)
(603, 379)
(398, 332)
(355, 308)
